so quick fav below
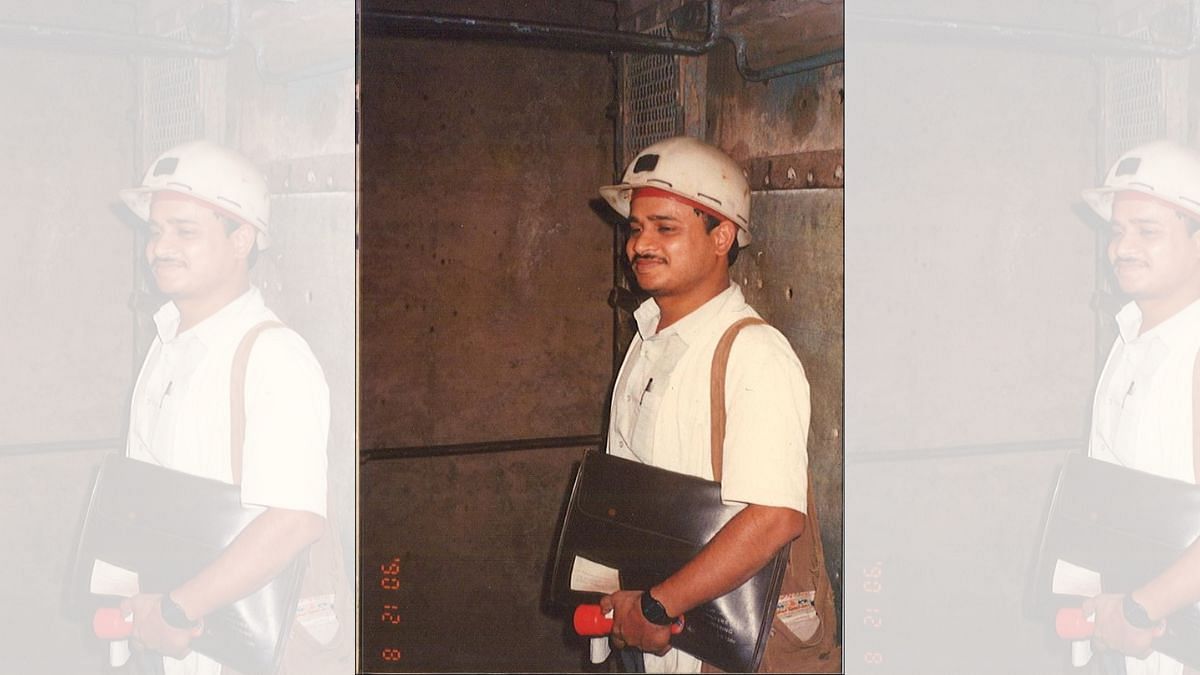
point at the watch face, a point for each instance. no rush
(654, 611)
(1135, 614)
(174, 615)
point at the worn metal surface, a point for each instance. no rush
(42, 505)
(799, 171)
(71, 272)
(792, 274)
(475, 537)
(483, 277)
(966, 251)
(326, 173)
(778, 31)
(789, 115)
(483, 268)
(66, 268)
(944, 546)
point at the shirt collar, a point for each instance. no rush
(1183, 323)
(210, 330)
(648, 314)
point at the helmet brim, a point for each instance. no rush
(138, 200)
(619, 197)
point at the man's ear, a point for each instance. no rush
(724, 236)
(243, 239)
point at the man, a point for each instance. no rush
(1144, 415)
(207, 214)
(688, 206)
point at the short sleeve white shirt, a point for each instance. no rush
(660, 411)
(1142, 413)
(180, 413)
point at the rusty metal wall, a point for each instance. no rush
(73, 288)
(484, 272)
(67, 342)
(787, 132)
(970, 268)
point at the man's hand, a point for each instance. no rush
(1113, 630)
(152, 631)
(630, 627)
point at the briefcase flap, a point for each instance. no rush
(165, 526)
(665, 503)
(646, 523)
(1127, 526)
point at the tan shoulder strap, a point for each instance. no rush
(717, 390)
(237, 396)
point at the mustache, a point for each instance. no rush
(641, 256)
(165, 261)
(1127, 261)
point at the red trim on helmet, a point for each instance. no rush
(174, 196)
(656, 192)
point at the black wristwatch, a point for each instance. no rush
(1135, 614)
(174, 615)
(654, 611)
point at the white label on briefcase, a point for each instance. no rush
(592, 577)
(1070, 579)
(317, 617)
(109, 579)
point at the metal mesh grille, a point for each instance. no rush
(651, 91)
(171, 110)
(1133, 102)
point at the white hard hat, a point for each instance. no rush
(693, 170)
(213, 174)
(1162, 169)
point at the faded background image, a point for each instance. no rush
(978, 300)
(93, 92)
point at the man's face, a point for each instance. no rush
(189, 250)
(669, 249)
(1151, 251)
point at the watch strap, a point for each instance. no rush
(174, 615)
(654, 612)
(1135, 613)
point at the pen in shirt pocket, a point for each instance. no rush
(166, 393)
(1127, 394)
(646, 391)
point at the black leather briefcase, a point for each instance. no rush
(166, 526)
(647, 523)
(1126, 525)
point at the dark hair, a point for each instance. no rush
(710, 223)
(231, 225)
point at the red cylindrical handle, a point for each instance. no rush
(109, 624)
(591, 622)
(1071, 624)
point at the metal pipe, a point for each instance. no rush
(400, 24)
(373, 454)
(1040, 38)
(963, 451)
(404, 24)
(61, 446)
(790, 68)
(79, 39)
